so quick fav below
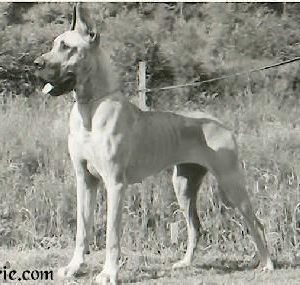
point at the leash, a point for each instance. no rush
(198, 83)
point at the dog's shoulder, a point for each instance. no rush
(116, 108)
(121, 102)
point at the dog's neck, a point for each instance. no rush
(97, 79)
(100, 81)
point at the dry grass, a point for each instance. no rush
(211, 267)
(37, 187)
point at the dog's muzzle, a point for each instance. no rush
(60, 87)
(55, 84)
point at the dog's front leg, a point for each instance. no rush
(86, 196)
(115, 195)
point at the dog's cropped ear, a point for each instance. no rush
(83, 24)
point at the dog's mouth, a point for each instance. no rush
(60, 87)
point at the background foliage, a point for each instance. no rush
(181, 43)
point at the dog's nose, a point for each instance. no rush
(39, 62)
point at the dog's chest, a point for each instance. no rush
(93, 170)
(97, 147)
(80, 144)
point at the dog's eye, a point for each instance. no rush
(64, 46)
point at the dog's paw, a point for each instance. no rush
(72, 270)
(105, 278)
(267, 266)
(181, 264)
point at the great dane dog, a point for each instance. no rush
(113, 139)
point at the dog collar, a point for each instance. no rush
(95, 99)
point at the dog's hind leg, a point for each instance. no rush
(233, 193)
(86, 196)
(186, 180)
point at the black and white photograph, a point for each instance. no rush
(149, 143)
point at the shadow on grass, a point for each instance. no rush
(158, 271)
(230, 266)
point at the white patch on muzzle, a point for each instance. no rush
(47, 88)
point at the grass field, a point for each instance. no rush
(180, 43)
(210, 267)
(38, 200)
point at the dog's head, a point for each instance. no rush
(60, 67)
